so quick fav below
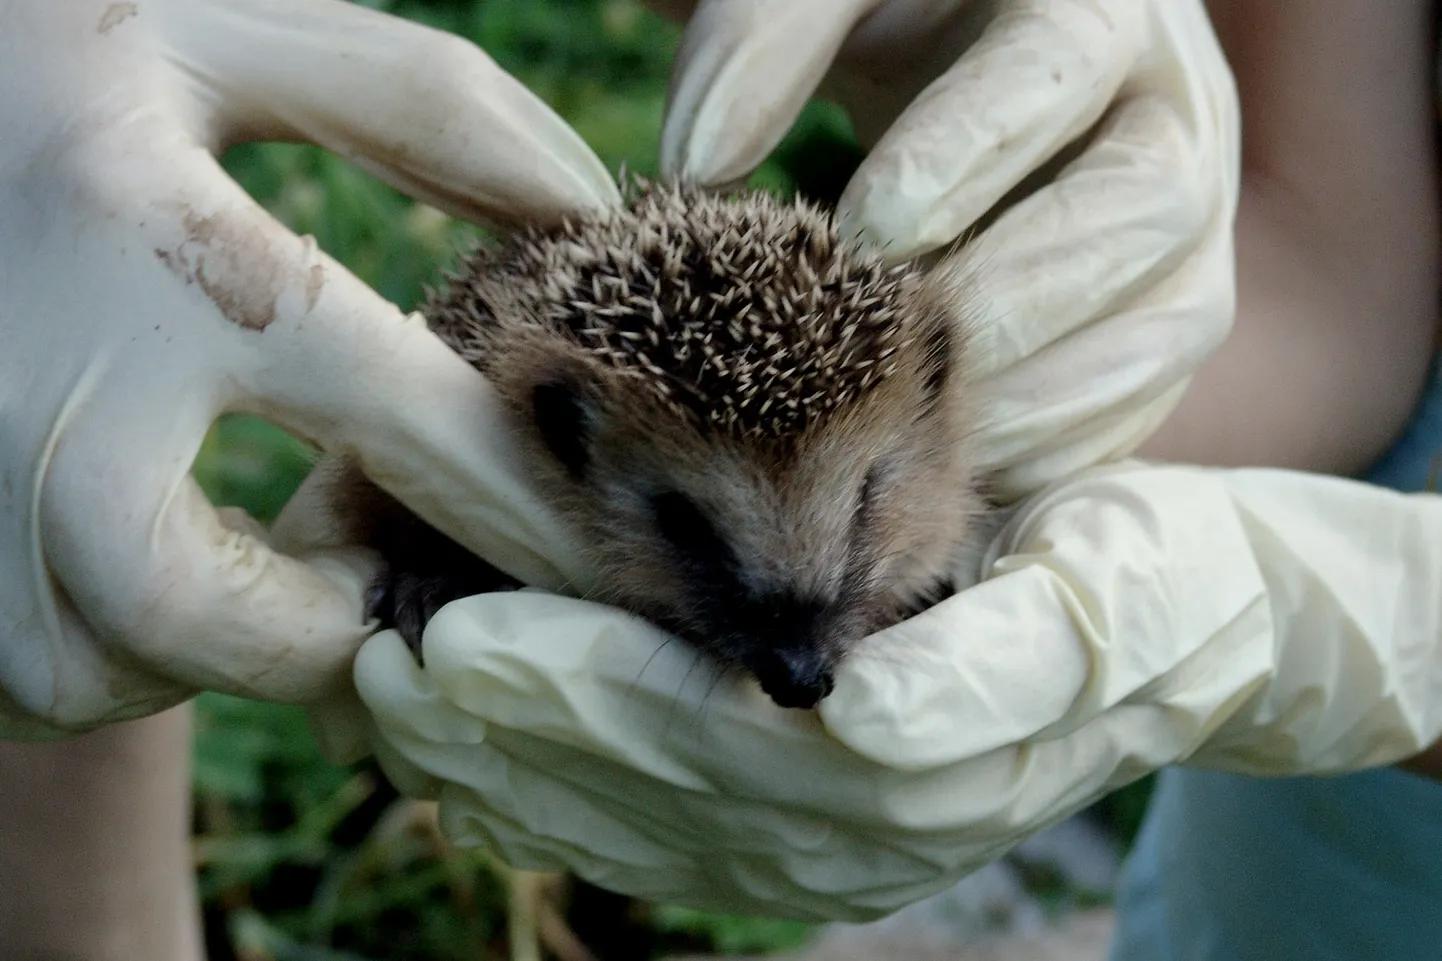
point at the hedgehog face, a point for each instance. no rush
(773, 554)
(756, 428)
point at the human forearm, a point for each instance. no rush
(1317, 374)
(1337, 240)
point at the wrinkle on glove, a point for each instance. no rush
(143, 294)
(1256, 621)
(1086, 152)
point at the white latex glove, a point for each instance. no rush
(1107, 280)
(142, 293)
(1253, 621)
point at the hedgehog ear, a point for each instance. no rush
(566, 420)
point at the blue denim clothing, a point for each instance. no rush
(1323, 869)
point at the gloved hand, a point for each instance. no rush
(142, 293)
(1252, 621)
(1106, 129)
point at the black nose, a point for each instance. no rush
(794, 677)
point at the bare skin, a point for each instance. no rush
(1338, 239)
(95, 840)
(1338, 244)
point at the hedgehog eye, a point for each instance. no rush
(681, 522)
(564, 423)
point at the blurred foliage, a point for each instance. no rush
(731, 935)
(300, 860)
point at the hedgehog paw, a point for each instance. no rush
(406, 600)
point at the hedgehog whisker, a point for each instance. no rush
(697, 659)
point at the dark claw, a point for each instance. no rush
(378, 597)
(407, 599)
(418, 598)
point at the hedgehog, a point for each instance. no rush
(757, 428)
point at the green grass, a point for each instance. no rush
(304, 861)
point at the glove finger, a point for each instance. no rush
(545, 806)
(433, 744)
(598, 680)
(562, 743)
(1179, 713)
(422, 109)
(313, 348)
(1031, 84)
(1110, 580)
(55, 677)
(741, 77)
(158, 576)
(1017, 465)
(553, 789)
(735, 853)
(1109, 384)
(146, 558)
(57, 680)
(382, 390)
(100, 516)
(1115, 222)
(601, 701)
(172, 585)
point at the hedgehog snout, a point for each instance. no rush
(789, 644)
(794, 676)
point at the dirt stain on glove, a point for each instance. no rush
(114, 15)
(237, 268)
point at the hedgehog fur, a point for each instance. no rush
(750, 316)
